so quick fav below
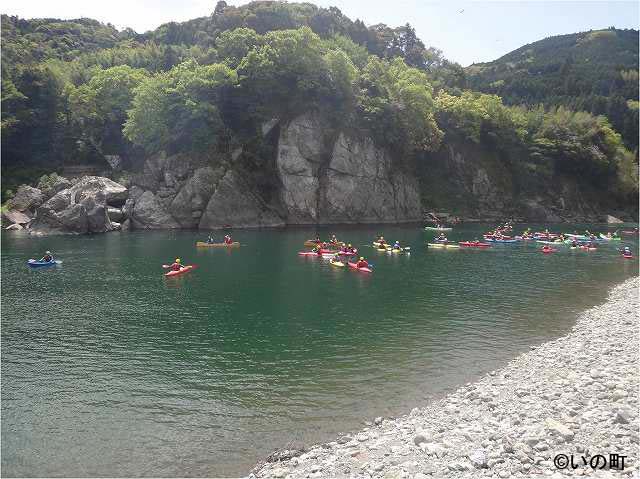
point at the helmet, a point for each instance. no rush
(349, 245)
(177, 260)
(48, 252)
(361, 258)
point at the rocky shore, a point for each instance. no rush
(577, 395)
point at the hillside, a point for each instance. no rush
(595, 71)
(220, 98)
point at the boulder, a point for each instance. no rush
(60, 183)
(15, 217)
(114, 193)
(74, 219)
(148, 213)
(98, 220)
(27, 198)
(234, 203)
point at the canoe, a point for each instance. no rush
(612, 238)
(364, 270)
(443, 245)
(338, 264)
(186, 269)
(204, 244)
(474, 244)
(435, 228)
(41, 264)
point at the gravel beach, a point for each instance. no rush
(576, 395)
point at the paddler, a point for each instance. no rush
(176, 266)
(381, 241)
(396, 246)
(626, 251)
(333, 240)
(351, 250)
(546, 248)
(210, 239)
(47, 258)
(442, 238)
(227, 239)
(362, 263)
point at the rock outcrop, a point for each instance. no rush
(330, 176)
(26, 199)
(82, 208)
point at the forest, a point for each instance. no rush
(74, 92)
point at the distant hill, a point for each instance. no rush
(594, 71)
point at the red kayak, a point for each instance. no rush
(354, 266)
(627, 256)
(549, 250)
(346, 253)
(474, 244)
(186, 269)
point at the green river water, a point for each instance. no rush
(110, 369)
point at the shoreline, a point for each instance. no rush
(577, 394)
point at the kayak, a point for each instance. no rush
(312, 243)
(474, 244)
(443, 245)
(491, 240)
(40, 264)
(436, 228)
(203, 244)
(610, 238)
(578, 237)
(550, 242)
(550, 250)
(345, 253)
(310, 253)
(398, 251)
(627, 256)
(377, 244)
(364, 270)
(586, 248)
(186, 269)
(338, 264)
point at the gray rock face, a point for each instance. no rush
(188, 205)
(27, 198)
(301, 154)
(149, 213)
(233, 203)
(330, 177)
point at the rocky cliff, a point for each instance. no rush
(309, 172)
(319, 176)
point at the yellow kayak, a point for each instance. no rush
(443, 245)
(203, 244)
(338, 264)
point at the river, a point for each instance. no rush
(111, 369)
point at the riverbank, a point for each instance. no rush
(578, 394)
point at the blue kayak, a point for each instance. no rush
(39, 264)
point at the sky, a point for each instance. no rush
(466, 31)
